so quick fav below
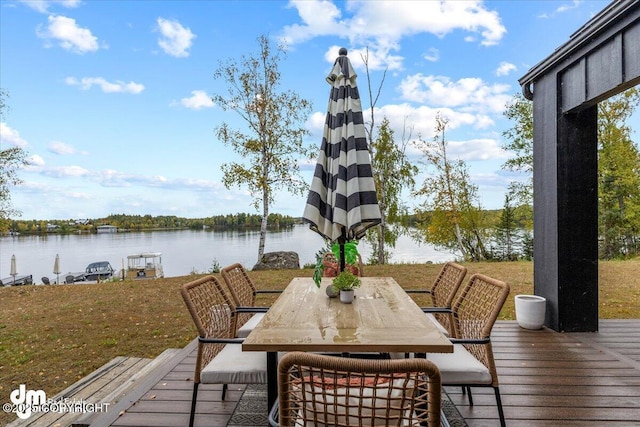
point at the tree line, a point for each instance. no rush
(124, 222)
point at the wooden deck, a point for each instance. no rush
(569, 379)
(546, 379)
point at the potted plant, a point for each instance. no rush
(329, 266)
(345, 283)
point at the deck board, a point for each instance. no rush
(546, 379)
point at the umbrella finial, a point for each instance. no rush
(342, 51)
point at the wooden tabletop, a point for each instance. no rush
(382, 318)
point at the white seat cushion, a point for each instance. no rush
(234, 366)
(460, 367)
(245, 329)
(442, 329)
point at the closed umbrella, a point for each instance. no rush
(56, 268)
(14, 268)
(342, 202)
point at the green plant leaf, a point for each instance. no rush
(350, 252)
(317, 272)
(345, 281)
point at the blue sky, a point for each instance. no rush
(111, 99)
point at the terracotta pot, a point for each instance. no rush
(352, 269)
(331, 269)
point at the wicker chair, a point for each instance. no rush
(317, 390)
(472, 363)
(220, 360)
(244, 292)
(443, 291)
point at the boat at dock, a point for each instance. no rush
(24, 279)
(100, 270)
(95, 272)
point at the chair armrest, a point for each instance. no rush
(470, 341)
(220, 340)
(436, 310)
(252, 309)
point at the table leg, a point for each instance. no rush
(272, 379)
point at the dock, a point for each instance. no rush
(23, 279)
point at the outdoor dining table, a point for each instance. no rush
(383, 318)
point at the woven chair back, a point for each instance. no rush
(319, 390)
(444, 290)
(241, 288)
(475, 312)
(213, 313)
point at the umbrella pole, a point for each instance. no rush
(341, 241)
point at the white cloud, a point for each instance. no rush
(36, 160)
(432, 55)
(319, 17)
(382, 24)
(505, 68)
(118, 86)
(175, 39)
(409, 122)
(79, 195)
(43, 5)
(68, 35)
(9, 136)
(65, 172)
(476, 149)
(468, 94)
(115, 178)
(561, 9)
(315, 123)
(197, 101)
(420, 121)
(565, 7)
(62, 148)
(378, 57)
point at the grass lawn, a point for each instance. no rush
(51, 336)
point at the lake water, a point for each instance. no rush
(183, 251)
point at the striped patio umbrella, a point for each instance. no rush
(342, 202)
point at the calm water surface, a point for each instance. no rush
(183, 251)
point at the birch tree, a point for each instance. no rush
(271, 144)
(392, 174)
(451, 216)
(12, 159)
